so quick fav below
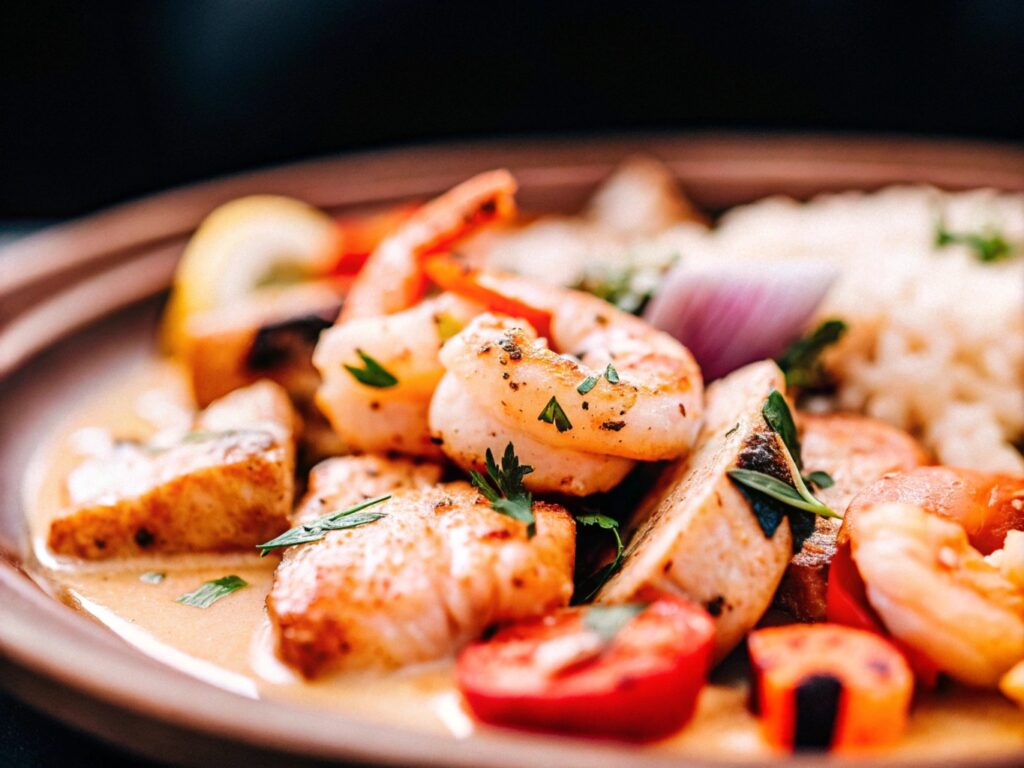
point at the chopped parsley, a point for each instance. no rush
(553, 414)
(504, 487)
(587, 384)
(611, 374)
(152, 577)
(212, 591)
(801, 360)
(606, 621)
(607, 571)
(989, 245)
(335, 521)
(372, 374)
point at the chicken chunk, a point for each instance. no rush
(226, 485)
(416, 585)
(697, 534)
(856, 451)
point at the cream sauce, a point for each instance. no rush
(228, 644)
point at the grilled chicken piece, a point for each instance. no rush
(339, 483)
(856, 451)
(268, 335)
(696, 533)
(414, 586)
(226, 485)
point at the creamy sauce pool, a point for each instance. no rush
(229, 643)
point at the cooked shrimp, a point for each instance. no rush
(414, 586)
(647, 407)
(405, 345)
(392, 278)
(918, 540)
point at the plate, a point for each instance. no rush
(78, 310)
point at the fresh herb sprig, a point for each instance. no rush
(794, 494)
(316, 530)
(801, 360)
(989, 245)
(212, 591)
(553, 414)
(606, 621)
(504, 488)
(599, 579)
(372, 374)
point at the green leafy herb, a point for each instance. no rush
(611, 374)
(606, 621)
(587, 384)
(776, 413)
(617, 288)
(801, 361)
(372, 374)
(504, 487)
(989, 245)
(599, 579)
(212, 591)
(799, 497)
(820, 479)
(335, 521)
(152, 577)
(553, 414)
(447, 325)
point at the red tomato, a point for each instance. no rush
(559, 673)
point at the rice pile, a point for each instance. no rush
(936, 341)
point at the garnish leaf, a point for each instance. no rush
(152, 577)
(504, 487)
(372, 374)
(606, 621)
(776, 412)
(587, 384)
(599, 579)
(553, 414)
(212, 591)
(801, 360)
(335, 521)
(447, 325)
(821, 479)
(611, 374)
(988, 245)
(781, 491)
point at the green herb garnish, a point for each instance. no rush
(607, 571)
(212, 591)
(801, 361)
(447, 326)
(776, 413)
(372, 374)
(553, 414)
(587, 384)
(611, 374)
(988, 245)
(335, 521)
(821, 479)
(606, 621)
(504, 488)
(152, 577)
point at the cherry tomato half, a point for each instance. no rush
(617, 671)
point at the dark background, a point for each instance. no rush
(100, 102)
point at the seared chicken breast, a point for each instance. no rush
(228, 484)
(419, 583)
(696, 534)
(856, 451)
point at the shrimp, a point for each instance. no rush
(627, 393)
(383, 318)
(920, 540)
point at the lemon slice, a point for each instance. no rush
(242, 246)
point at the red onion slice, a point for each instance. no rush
(732, 315)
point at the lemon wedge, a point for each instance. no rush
(242, 246)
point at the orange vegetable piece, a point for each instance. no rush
(361, 233)
(825, 686)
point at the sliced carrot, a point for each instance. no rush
(825, 686)
(362, 232)
(451, 275)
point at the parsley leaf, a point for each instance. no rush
(606, 621)
(587, 384)
(504, 488)
(801, 360)
(212, 591)
(553, 414)
(821, 479)
(989, 245)
(607, 571)
(372, 374)
(335, 521)
(611, 374)
(776, 413)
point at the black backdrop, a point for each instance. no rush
(103, 101)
